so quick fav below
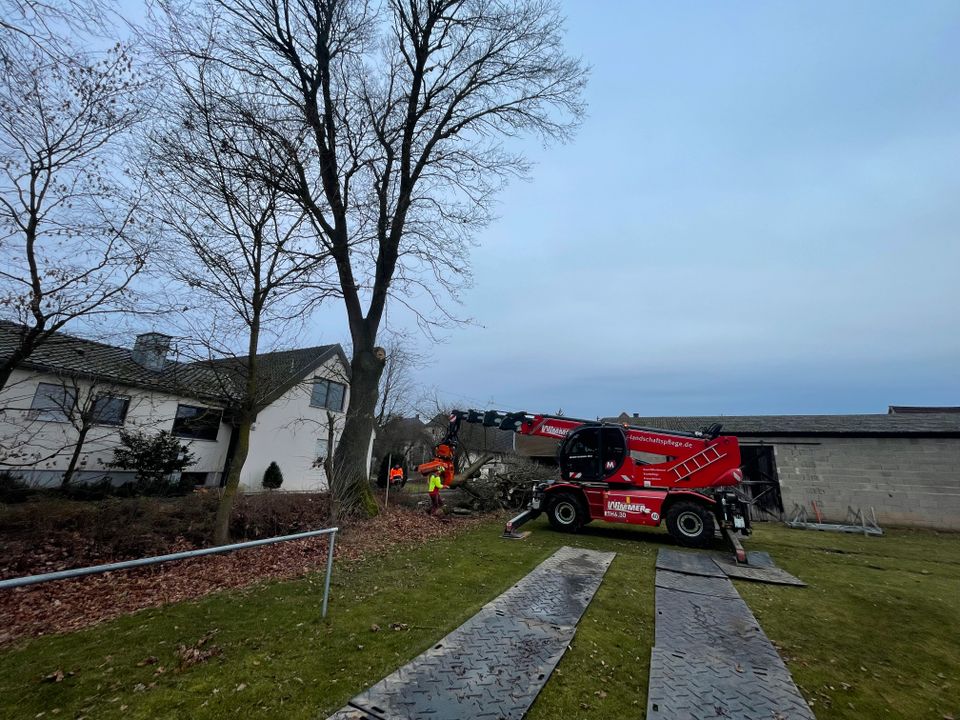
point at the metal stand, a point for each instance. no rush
(856, 522)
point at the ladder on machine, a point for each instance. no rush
(692, 464)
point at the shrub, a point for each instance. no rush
(13, 489)
(272, 477)
(263, 515)
(99, 490)
(153, 457)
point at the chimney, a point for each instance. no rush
(150, 350)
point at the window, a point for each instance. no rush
(110, 409)
(199, 423)
(327, 394)
(53, 402)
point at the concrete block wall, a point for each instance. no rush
(908, 481)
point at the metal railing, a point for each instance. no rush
(140, 562)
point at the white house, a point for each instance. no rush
(68, 402)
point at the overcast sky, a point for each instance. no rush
(761, 214)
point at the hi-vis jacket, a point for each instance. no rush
(434, 483)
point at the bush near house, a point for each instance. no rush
(272, 477)
(13, 489)
(153, 457)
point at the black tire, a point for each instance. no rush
(566, 512)
(691, 524)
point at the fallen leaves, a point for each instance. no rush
(68, 605)
(198, 652)
(54, 677)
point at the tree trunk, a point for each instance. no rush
(461, 477)
(16, 358)
(352, 495)
(221, 525)
(74, 457)
(6, 369)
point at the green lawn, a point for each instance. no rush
(875, 634)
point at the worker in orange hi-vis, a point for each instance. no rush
(396, 474)
(434, 484)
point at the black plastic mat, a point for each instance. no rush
(493, 666)
(712, 658)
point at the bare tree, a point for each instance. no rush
(49, 25)
(70, 241)
(398, 388)
(235, 242)
(392, 119)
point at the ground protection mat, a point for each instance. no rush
(493, 666)
(688, 563)
(759, 567)
(712, 659)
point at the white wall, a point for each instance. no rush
(26, 443)
(287, 432)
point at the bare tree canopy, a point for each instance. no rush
(398, 393)
(234, 242)
(48, 25)
(70, 244)
(395, 122)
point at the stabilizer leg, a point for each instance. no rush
(734, 541)
(510, 529)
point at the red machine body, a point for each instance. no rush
(629, 474)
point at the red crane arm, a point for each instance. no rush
(697, 459)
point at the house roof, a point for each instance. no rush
(278, 371)
(212, 380)
(888, 425)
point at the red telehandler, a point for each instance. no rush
(690, 483)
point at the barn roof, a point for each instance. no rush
(874, 424)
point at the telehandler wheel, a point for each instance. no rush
(691, 524)
(566, 513)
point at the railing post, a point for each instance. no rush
(326, 584)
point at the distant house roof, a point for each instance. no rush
(889, 425)
(211, 380)
(906, 409)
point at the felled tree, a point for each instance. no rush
(272, 477)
